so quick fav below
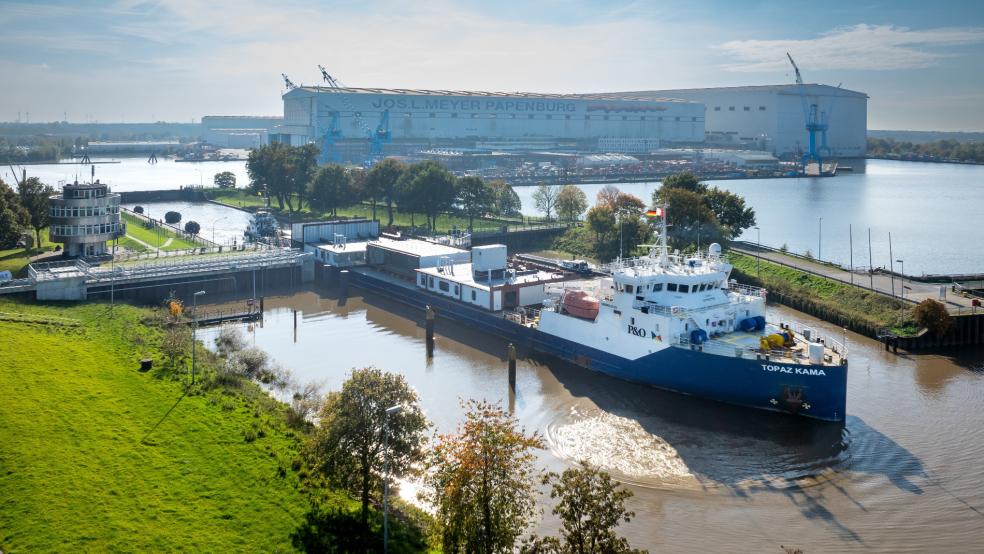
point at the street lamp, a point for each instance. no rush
(819, 238)
(758, 250)
(902, 282)
(391, 411)
(214, 221)
(194, 332)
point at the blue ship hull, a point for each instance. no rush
(814, 391)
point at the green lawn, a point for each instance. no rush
(97, 456)
(135, 229)
(241, 198)
(853, 303)
(16, 260)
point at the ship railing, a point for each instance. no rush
(747, 290)
(810, 334)
(717, 348)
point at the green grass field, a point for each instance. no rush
(445, 222)
(854, 303)
(97, 456)
(16, 260)
(160, 235)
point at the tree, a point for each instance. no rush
(506, 202)
(601, 220)
(225, 180)
(13, 217)
(138, 209)
(427, 188)
(174, 345)
(268, 169)
(730, 211)
(482, 481)
(347, 446)
(688, 216)
(933, 316)
(302, 163)
(192, 227)
(172, 217)
(35, 197)
(608, 196)
(475, 198)
(544, 198)
(330, 188)
(590, 506)
(381, 185)
(686, 180)
(571, 202)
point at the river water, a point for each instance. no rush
(903, 475)
(933, 211)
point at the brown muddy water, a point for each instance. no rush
(904, 474)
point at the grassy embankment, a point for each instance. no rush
(16, 260)
(135, 229)
(98, 456)
(858, 309)
(240, 198)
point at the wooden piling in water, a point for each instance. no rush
(430, 331)
(511, 356)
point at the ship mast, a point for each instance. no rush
(663, 247)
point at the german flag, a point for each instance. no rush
(658, 212)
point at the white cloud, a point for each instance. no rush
(865, 47)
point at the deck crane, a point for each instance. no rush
(287, 82)
(816, 121)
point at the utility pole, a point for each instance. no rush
(758, 251)
(850, 240)
(819, 238)
(871, 267)
(891, 264)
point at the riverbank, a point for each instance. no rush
(98, 455)
(857, 309)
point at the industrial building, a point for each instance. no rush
(234, 131)
(353, 123)
(773, 117)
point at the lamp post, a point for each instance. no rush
(194, 332)
(819, 237)
(214, 221)
(391, 411)
(901, 284)
(758, 250)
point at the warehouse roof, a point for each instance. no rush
(792, 88)
(426, 92)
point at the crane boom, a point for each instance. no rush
(287, 82)
(799, 78)
(332, 82)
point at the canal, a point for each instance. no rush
(903, 475)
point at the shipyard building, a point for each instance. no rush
(773, 117)
(407, 121)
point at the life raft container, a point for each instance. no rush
(580, 304)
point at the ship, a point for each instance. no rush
(668, 320)
(262, 225)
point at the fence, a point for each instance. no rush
(160, 223)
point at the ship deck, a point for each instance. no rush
(751, 341)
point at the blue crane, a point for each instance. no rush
(382, 135)
(816, 121)
(330, 154)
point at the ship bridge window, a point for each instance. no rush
(672, 287)
(628, 288)
(657, 287)
(423, 280)
(684, 288)
(474, 296)
(443, 285)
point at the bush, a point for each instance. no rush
(172, 217)
(138, 209)
(229, 341)
(192, 227)
(253, 360)
(933, 316)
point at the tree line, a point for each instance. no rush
(940, 149)
(617, 224)
(291, 176)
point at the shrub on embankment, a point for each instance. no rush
(858, 309)
(98, 456)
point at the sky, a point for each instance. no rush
(921, 63)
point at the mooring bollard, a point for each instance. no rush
(430, 331)
(511, 355)
(295, 326)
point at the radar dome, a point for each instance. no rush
(714, 250)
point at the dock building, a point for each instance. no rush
(84, 217)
